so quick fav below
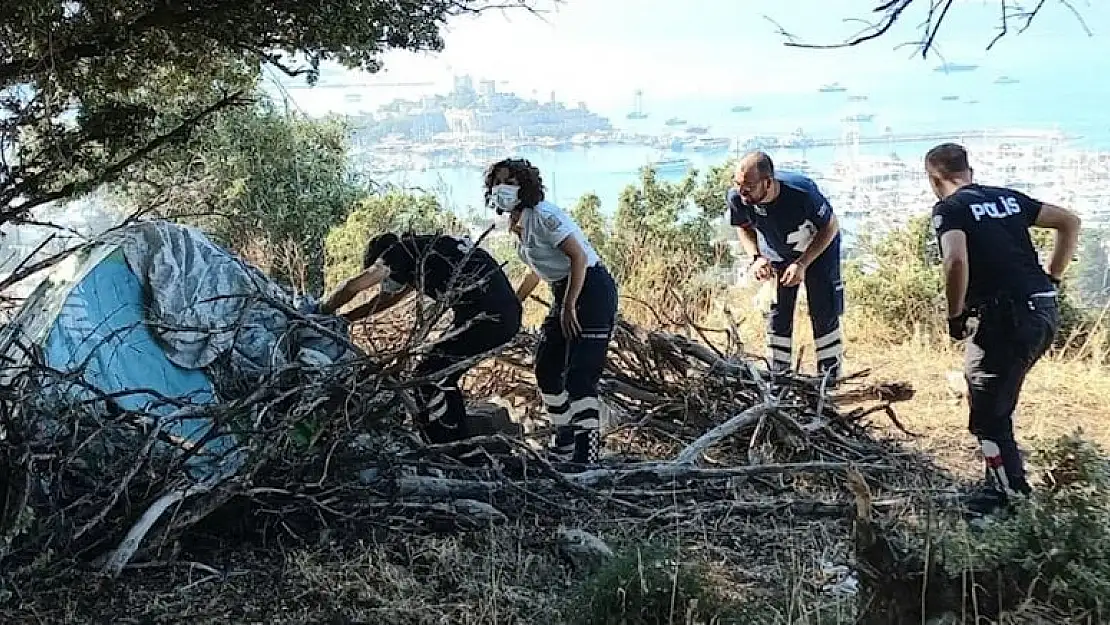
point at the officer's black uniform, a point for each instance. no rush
(451, 267)
(1015, 301)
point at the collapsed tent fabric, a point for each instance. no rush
(205, 302)
(147, 313)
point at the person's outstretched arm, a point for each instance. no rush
(1066, 224)
(379, 303)
(349, 288)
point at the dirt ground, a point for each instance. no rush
(512, 574)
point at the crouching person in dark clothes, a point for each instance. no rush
(575, 336)
(992, 272)
(486, 312)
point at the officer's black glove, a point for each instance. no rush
(957, 326)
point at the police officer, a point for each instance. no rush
(991, 271)
(789, 231)
(453, 271)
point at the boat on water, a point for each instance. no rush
(833, 87)
(741, 108)
(697, 130)
(675, 121)
(710, 144)
(859, 118)
(955, 67)
(637, 107)
(800, 166)
(857, 98)
(1006, 80)
(671, 165)
(761, 142)
(797, 141)
(949, 98)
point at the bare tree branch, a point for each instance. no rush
(893, 11)
(1079, 17)
(1003, 30)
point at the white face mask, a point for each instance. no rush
(504, 197)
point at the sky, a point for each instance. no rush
(601, 51)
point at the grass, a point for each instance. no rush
(1063, 392)
(1059, 395)
(515, 574)
(801, 561)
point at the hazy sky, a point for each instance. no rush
(600, 51)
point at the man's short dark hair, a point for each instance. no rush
(948, 159)
(763, 164)
(377, 247)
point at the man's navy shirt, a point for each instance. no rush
(1002, 261)
(790, 222)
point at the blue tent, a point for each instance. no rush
(143, 315)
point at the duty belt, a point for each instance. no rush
(1033, 301)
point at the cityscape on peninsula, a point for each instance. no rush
(875, 189)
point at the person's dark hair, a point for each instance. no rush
(525, 174)
(763, 164)
(377, 247)
(948, 159)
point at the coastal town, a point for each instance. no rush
(465, 128)
(865, 171)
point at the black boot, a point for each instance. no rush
(563, 444)
(577, 445)
(445, 431)
(1004, 466)
(985, 500)
(442, 414)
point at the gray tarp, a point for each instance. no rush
(204, 302)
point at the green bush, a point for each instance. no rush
(897, 279)
(265, 183)
(1059, 540)
(587, 214)
(659, 243)
(648, 587)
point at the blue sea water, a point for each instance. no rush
(1037, 102)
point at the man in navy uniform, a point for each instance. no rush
(789, 232)
(991, 271)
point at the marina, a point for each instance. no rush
(872, 190)
(396, 153)
(863, 152)
(878, 193)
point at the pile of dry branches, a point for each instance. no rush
(700, 431)
(668, 388)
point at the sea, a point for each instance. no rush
(1036, 103)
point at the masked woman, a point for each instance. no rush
(454, 272)
(576, 333)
